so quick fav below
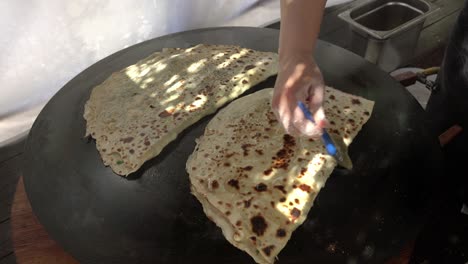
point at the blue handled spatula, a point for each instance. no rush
(335, 148)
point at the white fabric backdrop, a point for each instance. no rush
(45, 43)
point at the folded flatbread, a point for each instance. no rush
(257, 183)
(137, 111)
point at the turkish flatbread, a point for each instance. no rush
(137, 111)
(257, 183)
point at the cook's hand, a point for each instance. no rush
(299, 79)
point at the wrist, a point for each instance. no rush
(295, 52)
(295, 57)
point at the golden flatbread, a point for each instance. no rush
(257, 183)
(137, 111)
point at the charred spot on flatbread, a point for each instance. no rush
(259, 225)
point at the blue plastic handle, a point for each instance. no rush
(329, 145)
(306, 111)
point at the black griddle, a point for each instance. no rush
(361, 216)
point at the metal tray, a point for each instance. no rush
(386, 32)
(382, 19)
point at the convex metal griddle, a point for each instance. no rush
(365, 215)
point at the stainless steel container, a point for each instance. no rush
(386, 32)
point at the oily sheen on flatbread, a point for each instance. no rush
(137, 111)
(257, 183)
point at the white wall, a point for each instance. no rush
(45, 43)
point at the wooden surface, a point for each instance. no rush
(10, 164)
(31, 243)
